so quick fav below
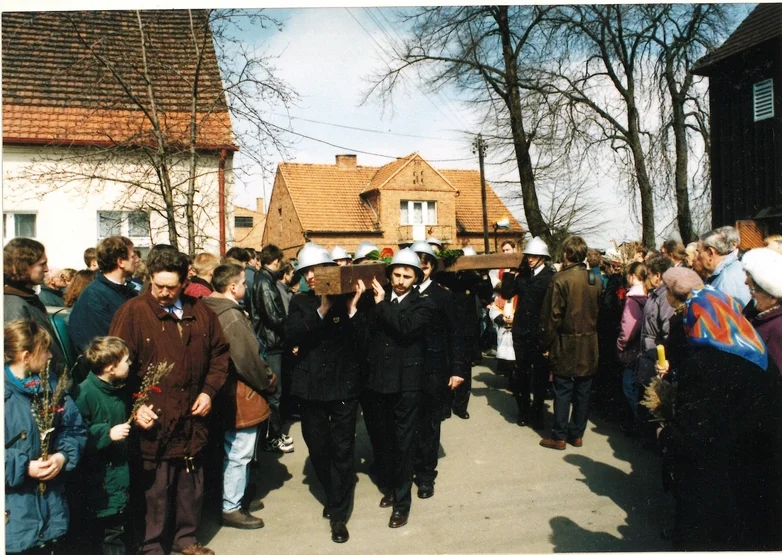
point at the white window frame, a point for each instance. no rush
(138, 240)
(763, 100)
(9, 224)
(424, 210)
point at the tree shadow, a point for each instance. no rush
(567, 536)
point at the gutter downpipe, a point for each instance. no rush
(221, 194)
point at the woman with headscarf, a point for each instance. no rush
(764, 278)
(724, 431)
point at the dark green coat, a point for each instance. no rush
(105, 463)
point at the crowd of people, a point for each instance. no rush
(183, 357)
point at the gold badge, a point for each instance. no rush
(336, 319)
(467, 292)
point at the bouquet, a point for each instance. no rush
(149, 385)
(46, 405)
(659, 397)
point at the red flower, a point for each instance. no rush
(155, 388)
(387, 252)
(56, 409)
(136, 395)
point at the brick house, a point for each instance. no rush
(392, 205)
(76, 147)
(249, 225)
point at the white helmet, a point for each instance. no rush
(364, 248)
(434, 241)
(423, 247)
(313, 255)
(338, 253)
(406, 257)
(537, 247)
(468, 251)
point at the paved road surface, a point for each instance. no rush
(497, 492)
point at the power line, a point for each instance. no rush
(355, 149)
(368, 130)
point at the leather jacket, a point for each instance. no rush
(268, 311)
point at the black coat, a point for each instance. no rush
(326, 361)
(445, 353)
(397, 343)
(470, 291)
(268, 311)
(531, 289)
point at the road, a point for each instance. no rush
(497, 492)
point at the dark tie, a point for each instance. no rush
(394, 301)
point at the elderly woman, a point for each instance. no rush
(724, 430)
(764, 278)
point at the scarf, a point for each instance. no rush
(714, 320)
(31, 383)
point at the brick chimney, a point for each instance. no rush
(259, 205)
(346, 161)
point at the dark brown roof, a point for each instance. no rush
(55, 86)
(762, 24)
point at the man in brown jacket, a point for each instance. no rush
(569, 335)
(243, 404)
(165, 326)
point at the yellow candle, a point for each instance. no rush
(661, 355)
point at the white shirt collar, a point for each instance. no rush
(424, 285)
(400, 299)
(539, 269)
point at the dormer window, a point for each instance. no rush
(418, 212)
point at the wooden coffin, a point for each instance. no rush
(336, 280)
(486, 262)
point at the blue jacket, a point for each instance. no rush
(729, 277)
(91, 315)
(33, 519)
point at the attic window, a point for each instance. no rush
(763, 99)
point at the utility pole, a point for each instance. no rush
(481, 148)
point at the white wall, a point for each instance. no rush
(67, 211)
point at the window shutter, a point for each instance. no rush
(763, 99)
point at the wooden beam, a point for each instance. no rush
(486, 262)
(337, 280)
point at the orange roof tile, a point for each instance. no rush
(327, 198)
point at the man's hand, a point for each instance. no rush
(145, 417)
(37, 467)
(325, 305)
(272, 387)
(454, 382)
(54, 464)
(380, 293)
(120, 431)
(353, 303)
(202, 405)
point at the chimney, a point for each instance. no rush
(259, 205)
(346, 161)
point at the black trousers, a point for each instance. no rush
(460, 397)
(110, 534)
(372, 422)
(275, 418)
(428, 433)
(399, 414)
(567, 392)
(530, 376)
(329, 429)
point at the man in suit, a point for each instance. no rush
(397, 356)
(446, 368)
(326, 335)
(531, 371)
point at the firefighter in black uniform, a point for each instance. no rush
(446, 368)
(326, 335)
(397, 355)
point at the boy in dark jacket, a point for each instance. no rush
(104, 406)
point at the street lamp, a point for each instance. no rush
(500, 224)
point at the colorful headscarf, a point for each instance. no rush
(714, 319)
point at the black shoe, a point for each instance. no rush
(522, 420)
(397, 520)
(339, 532)
(464, 415)
(425, 491)
(446, 415)
(326, 513)
(387, 501)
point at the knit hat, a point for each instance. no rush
(765, 267)
(681, 281)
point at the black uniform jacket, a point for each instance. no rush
(326, 351)
(268, 311)
(470, 291)
(397, 345)
(531, 289)
(445, 353)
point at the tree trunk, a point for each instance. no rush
(641, 176)
(683, 216)
(537, 225)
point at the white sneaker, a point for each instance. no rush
(276, 445)
(286, 439)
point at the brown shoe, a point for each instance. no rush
(397, 520)
(387, 501)
(576, 441)
(241, 519)
(197, 549)
(549, 443)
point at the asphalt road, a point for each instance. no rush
(497, 492)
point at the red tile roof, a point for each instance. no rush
(55, 89)
(327, 198)
(762, 24)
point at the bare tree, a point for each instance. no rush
(483, 51)
(169, 81)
